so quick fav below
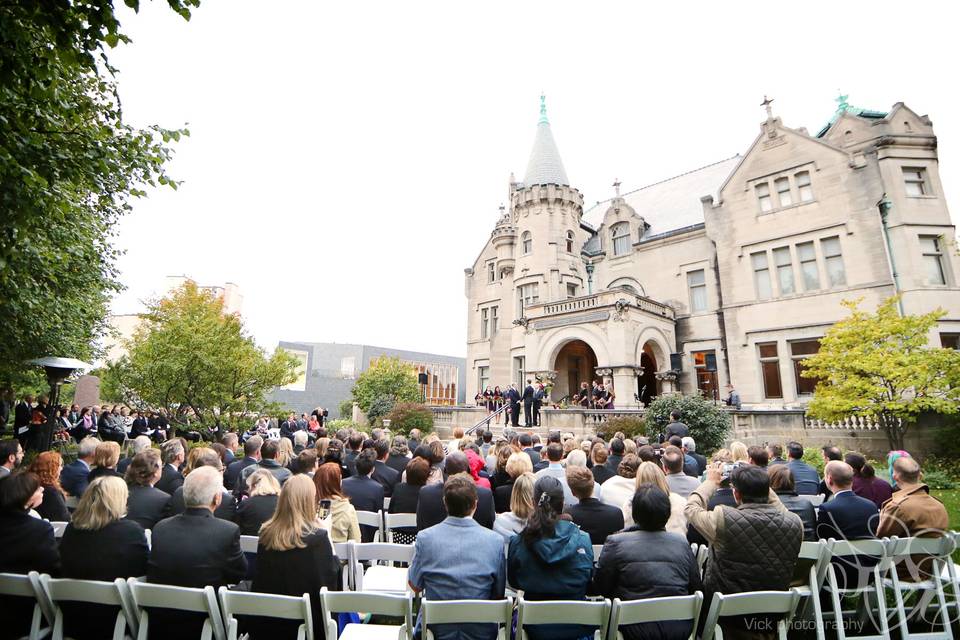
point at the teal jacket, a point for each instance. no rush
(556, 568)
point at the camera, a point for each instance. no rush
(728, 468)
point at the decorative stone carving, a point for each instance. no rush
(621, 306)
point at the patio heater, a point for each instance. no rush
(58, 370)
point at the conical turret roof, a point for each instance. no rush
(545, 165)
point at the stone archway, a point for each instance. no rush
(648, 387)
(575, 364)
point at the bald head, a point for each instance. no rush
(906, 471)
(456, 463)
(840, 474)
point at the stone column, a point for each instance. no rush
(625, 386)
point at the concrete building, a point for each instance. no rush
(729, 273)
(329, 371)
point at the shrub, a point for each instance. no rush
(335, 425)
(380, 407)
(709, 424)
(631, 426)
(346, 410)
(813, 456)
(407, 416)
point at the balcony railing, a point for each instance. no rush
(600, 300)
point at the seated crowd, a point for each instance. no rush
(548, 505)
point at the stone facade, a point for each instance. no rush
(743, 263)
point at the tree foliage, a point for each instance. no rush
(192, 359)
(69, 167)
(709, 424)
(880, 366)
(407, 416)
(386, 377)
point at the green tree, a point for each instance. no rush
(880, 366)
(407, 416)
(709, 424)
(195, 361)
(386, 377)
(69, 167)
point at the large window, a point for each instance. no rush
(783, 191)
(706, 378)
(484, 323)
(569, 241)
(763, 197)
(761, 274)
(441, 387)
(527, 294)
(770, 370)
(915, 181)
(799, 350)
(621, 238)
(781, 258)
(833, 260)
(526, 243)
(483, 378)
(494, 321)
(348, 367)
(803, 186)
(519, 366)
(696, 282)
(491, 271)
(808, 266)
(950, 340)
(933, 260)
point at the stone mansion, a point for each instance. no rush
(727, 274)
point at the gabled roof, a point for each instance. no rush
(844, 107)
(545, 165)
(673, 203)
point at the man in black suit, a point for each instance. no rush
(73, 477)
(288, 427)
(354, 444)
(232, 442)
(526, 443)
(430, 507)
(528, 393)
(830, 453)
(194, 549)
(690, 449)
(173, 456)
(365, 493)
(513, 398)
(251, 456)
(538, 397)
(675, 428)
(616, 454)
(21, 420)
(382, 472)
(590, 514)
(847, 516)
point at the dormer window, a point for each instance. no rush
(526, 243)
(620, 233)
(569, 241)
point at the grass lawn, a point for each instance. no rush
(951, 500)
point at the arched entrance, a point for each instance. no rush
(575, 364)
(647, 387)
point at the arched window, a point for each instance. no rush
(569, 241)
(620, 233)
(629, 284)
(526, 243)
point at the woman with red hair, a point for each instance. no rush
(344, 525)
(48, 466)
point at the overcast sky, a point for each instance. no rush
(347, 159)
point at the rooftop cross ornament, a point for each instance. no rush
(616, 186)
(543, 109)
(841, 100)
(766, 104)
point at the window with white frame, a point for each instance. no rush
(697, 284)
(770, 370)
(526, 243)
(570, 241)
(484, 323)
(763, 197)
(833, 260)
(348, 367)
(915, 181)
(783, 191)
(761, 274)
(807, 254)
(483, 378)
(804, 188)
(528, 294)
(933, 260)
(621, 238)
(784, 264)
(491, 271)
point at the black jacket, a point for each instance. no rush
(293, 573)
(803, 508)
(847, 517)
(73, 478)
(501, 497)
(253, 512)
(27, 544)
(226, 510)
(431, 510)
(386, 476)
(636, 565)
(528, 392)
(98, 472)
(232, 474)
(53, 507)
(398, 463)
(169, 480)
(405, 498)
(146, 505)
(366, 494)
(597, 518)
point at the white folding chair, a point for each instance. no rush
(816, 500)
(869, 588)
(266, 605)
(498, 612)
(817, 556)
(397, 606)
(92, 592)
(924, 582)
(597, 548)
(248, 544)
(386, 504)
(345, 557)
(72, 502)
(702, 554)
(781, 603)
(162, 596)
(380, 577)
(393, 521)
(59, 528)
(149, 535)
(28, 586)
(654, 610)
(372, 519)
(566, 612)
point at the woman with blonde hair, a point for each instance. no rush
(285, 454)
(739, 452)
(517, 464)
(263, 491)
(321, 446)
(294, 554)
(344, 526)
(650, 473)
(48, 466)
(105, 460)
(509, 523)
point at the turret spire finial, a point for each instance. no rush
(543, 109)
(768, 105)
(842, 104)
